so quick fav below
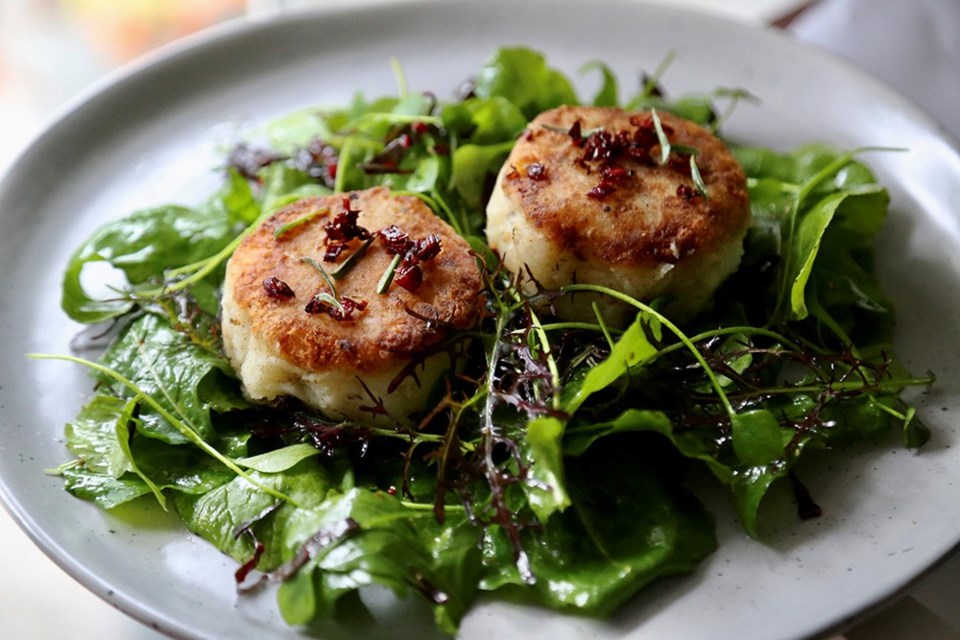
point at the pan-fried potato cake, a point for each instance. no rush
(287, 333)
(590, 195)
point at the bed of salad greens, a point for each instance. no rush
(553, 462)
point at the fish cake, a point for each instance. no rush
(284, 338)
(583, 197)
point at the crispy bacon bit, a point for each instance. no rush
(687, 192)
(278, 289)
(536, 171)
(341, 230)
(321, 304)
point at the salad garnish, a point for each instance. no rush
(551, 461)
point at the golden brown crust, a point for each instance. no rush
(386, 330)
(645, 220)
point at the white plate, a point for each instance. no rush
(151, 136)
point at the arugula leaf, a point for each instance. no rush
(817, 212)
(633, 348)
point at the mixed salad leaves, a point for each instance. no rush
(553, 461)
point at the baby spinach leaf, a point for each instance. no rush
(102, 489)
(296, 130)
(164, 364)
(386, 544)
(279, 459)
(546, 488)
(122, 429)
(621, 532)
(522, 76)
(116, 464)
(143, 246)
(283, 184)
(579, 437)
(608, 93)
(91, 438)
(492, 120)
(757, 437)
(238, 200)
(474, 166)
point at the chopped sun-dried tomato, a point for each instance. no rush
(345, 311)
(341, 230)
(575, 133)
(687, 192)
(604, 151)
(427, 248)
(396, 241)
(409, 273)
(536, 171)
(344, 225)
(278, 289)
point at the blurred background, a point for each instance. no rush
(51, 51)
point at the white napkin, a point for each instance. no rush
(913, 45)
